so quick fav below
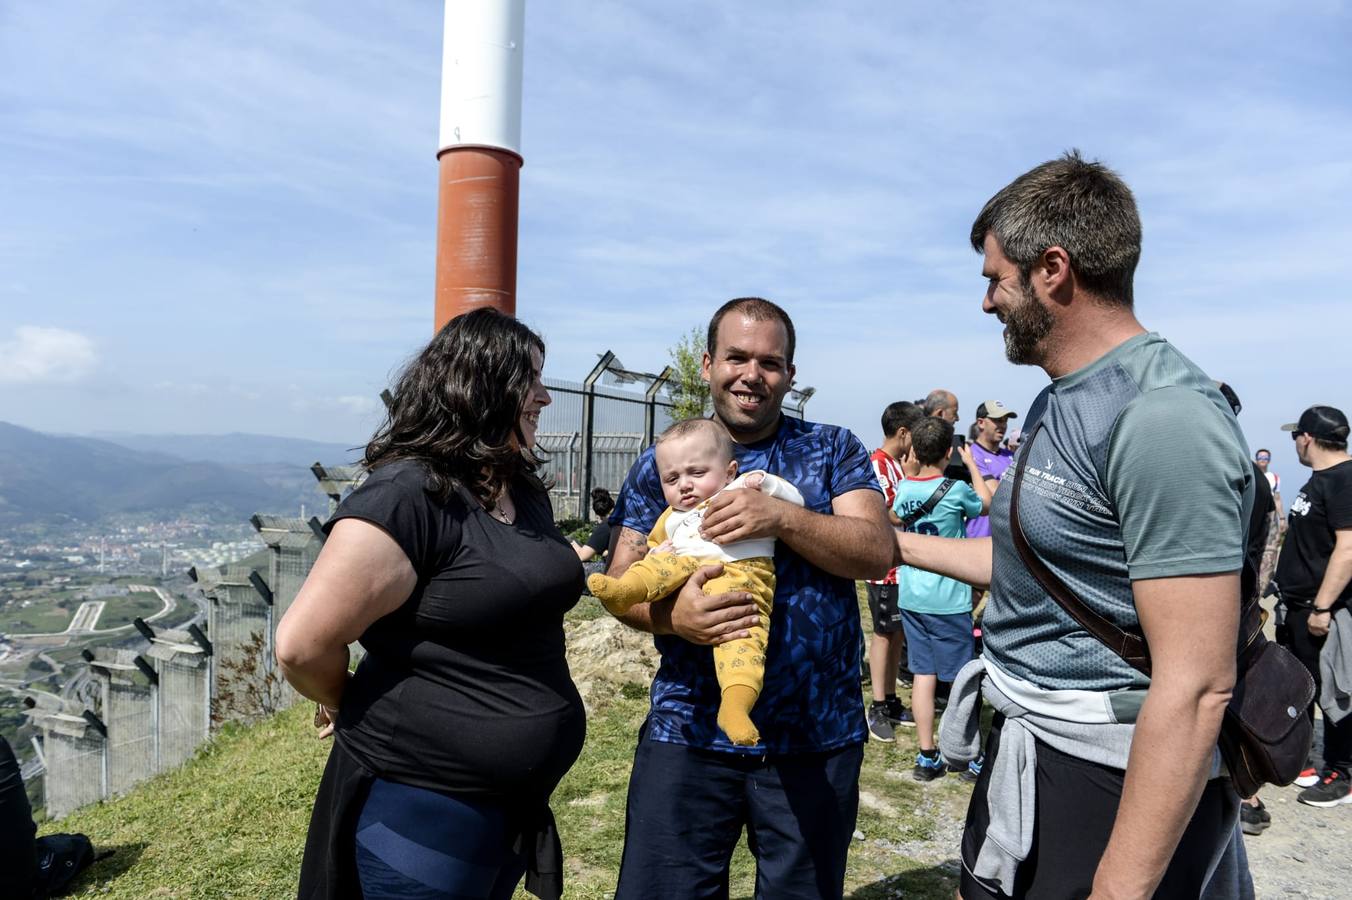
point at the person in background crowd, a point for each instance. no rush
(691, 792)
(1314, 576)
(887, 649)
(992, 459)
(1118, 784)
(593, 552)
(942, 404)
(599, 541)
(1254, 817)
(1263, 459)
(447, 565)
(936, 612)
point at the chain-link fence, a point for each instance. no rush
(129, 713)
(592, 434)
(619, 426)
(184, 711)
(75, 764)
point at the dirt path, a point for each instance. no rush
(1307, 852)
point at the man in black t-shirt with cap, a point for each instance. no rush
(1314, 573)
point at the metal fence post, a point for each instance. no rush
(797, 399)
(574, 439)
(588, 429)
(650, 406)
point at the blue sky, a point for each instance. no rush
(220, 217)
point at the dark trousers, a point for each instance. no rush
(1337, 738)
(687, 808)
(18, 854)
(1074, 813)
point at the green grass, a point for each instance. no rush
(232, 822)
(120, 611)
(44, 615)
(41, 617)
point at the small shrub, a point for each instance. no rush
(575, 529)
(248, 688)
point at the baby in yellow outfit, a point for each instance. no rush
(695, 462)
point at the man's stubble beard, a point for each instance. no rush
(1027, 327)
(739, 423)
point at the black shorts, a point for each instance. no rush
(1075, 809)
(882, 606)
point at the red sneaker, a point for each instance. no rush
(1307, 777)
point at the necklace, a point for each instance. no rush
(498, 513)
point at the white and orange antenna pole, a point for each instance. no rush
(479, 156)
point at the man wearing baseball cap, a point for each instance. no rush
(992, 458)
(1314, 574)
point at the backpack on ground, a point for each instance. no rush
(61, 858)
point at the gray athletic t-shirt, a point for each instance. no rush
(1139, 471)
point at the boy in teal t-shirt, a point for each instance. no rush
(936, 612)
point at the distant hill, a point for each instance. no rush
(238, 449)
(45, 477)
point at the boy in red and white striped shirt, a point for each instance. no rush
(887, 649)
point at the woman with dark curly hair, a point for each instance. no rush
(447, 566)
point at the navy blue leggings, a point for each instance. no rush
(418, 844)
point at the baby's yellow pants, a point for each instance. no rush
(738, 662)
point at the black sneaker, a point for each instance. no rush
(970, 772)
(1332, 791)
(1254, 819)
(879, 725)
(928, 768)
(898, 714)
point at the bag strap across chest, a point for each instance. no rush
(1130, 645)
(924, 509)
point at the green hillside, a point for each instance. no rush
(231, 823)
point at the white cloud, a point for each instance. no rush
(358, 405)
(351, 404)
(38, 355)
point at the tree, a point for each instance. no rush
(689, 392)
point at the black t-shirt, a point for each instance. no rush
(1257, 532)
(465, 688)
(1323, 506)
(599, 539)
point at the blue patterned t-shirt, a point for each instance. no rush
(811, 700)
